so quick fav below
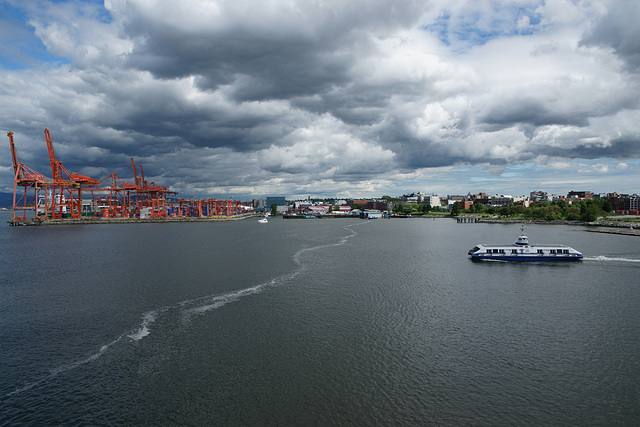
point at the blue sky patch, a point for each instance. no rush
(474, 28)
(20, 48)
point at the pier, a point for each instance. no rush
(468, 219)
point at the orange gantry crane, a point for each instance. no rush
(151, 199)
(66, 194)
(61, 195)
(209, 207)
(117, 202)
(34, 185)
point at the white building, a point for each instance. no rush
(433, 201)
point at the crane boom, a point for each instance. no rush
(14, 156)
(135, 174)
(144, 183)
(52, 156)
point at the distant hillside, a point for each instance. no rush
(6, 200)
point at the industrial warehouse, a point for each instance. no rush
(71, 197)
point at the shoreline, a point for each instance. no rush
(615, 227)
(83, 221)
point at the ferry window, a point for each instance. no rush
(553, 251)
(540, 251)
(514, 251)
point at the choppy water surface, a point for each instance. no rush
(314, 322)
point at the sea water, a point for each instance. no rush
(314, 322)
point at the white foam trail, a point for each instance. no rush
(189, 308)
(216, 301)
(342, 241)
(147, 319)
(605, 258)
(65, 368)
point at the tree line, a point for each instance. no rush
(584, 210)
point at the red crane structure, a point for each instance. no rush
(209, 207)
(151, 199)
(33, 184)
(117, 204)
(66, 195)
(61, 195)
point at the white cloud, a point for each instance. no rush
(361, 96)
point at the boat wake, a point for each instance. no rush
(611, 259)
(147, 319)
(186, 310)
(66, 367)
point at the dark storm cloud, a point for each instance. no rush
(254, 97)
(266, 57)
(421, 154)
(535, 112)
(257, 69)
(623, 148)
(619, 30)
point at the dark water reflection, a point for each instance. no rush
(314, 322)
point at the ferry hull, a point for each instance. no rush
(525, 258)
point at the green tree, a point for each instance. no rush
(274, 209)
(456, 209)
(573, 213)
(507, 211)
(591, 212)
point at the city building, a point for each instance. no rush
(281, 204)
(540, 196)
(579, 195)
(500, 200)
(433, 201)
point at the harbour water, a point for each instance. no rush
(315, 322)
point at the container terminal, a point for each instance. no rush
(69, 197)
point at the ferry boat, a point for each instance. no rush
(520, 250)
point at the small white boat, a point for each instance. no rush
(263, 220)
(520, 250)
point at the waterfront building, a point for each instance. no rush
(281, 203)
(370, 214)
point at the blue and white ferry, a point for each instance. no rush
(520, 250)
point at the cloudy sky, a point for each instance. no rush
(249, 98)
